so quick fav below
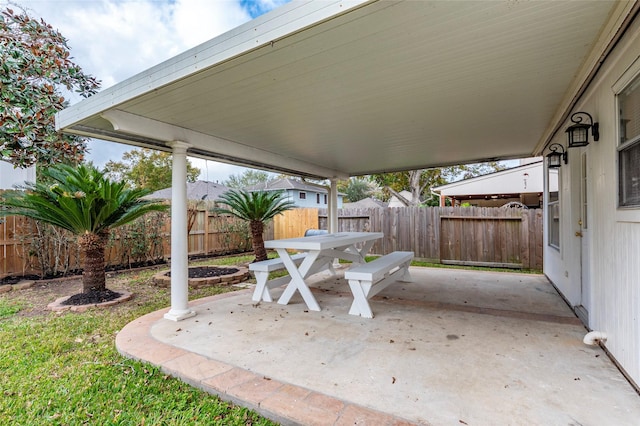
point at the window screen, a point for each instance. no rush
(629, 164)
(629, 146)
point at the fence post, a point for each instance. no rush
(206, 232)
(524, 240)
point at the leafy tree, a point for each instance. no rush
(246, 179)
(83, 201)
(420, 182)
(356, 189)
(257, 208)
(146, 169)
(36, 64)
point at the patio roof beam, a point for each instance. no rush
(149, 131)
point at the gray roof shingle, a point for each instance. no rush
(197, 190)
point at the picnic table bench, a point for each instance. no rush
(262, 269)
(371, 278)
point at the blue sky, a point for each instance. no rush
(116, 39)
(257, 8)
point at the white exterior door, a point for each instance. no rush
(582, 232)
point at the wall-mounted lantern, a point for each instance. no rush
(556, 156)
(578, 133)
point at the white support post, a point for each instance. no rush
(332, 219)
(179, 249)
(333, 207)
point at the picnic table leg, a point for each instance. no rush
(360, 305)
(297, 279)
(322, 263)
(357, 255)
(406, 275)
(365, 249)
(261, 292)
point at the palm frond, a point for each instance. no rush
(80, 200)
(258, 206)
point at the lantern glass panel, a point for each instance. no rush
(554, 160)
(578, 136)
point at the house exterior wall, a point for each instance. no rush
(522, 179)
(603, 274)
(311, 199)
(522, 184)
(9, 177)
(481, 202)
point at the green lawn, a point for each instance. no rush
(63, 369)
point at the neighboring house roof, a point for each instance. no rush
(517, 180)
(365, 203)
(197, 190)
(287, 183)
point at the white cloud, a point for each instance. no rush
(197, 21)
(213, 171)
(115, 39)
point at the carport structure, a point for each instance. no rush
(334, 89)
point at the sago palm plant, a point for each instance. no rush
(82, 200)
(257, 208)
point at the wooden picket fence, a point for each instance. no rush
(210, 235)
(293, 223)
(477, 236)
(494, 237)
(13, 259)
(213, 234)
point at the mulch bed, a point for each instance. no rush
(14, 279)
(208, 271)
(92, 297)
(70, 284)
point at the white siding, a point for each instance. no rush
(310, 200)
(9, 177)
(622, 307)
(513, 181)
(614, 254)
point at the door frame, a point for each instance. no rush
(581, 226)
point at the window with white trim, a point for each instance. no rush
(629, 146)
(553, 208)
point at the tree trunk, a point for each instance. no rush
(416, 189)
(257, 228)
(92, 250)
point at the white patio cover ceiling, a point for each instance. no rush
(338, 88)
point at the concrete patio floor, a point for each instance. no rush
(452, 347)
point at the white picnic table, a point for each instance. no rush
(320, 250)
